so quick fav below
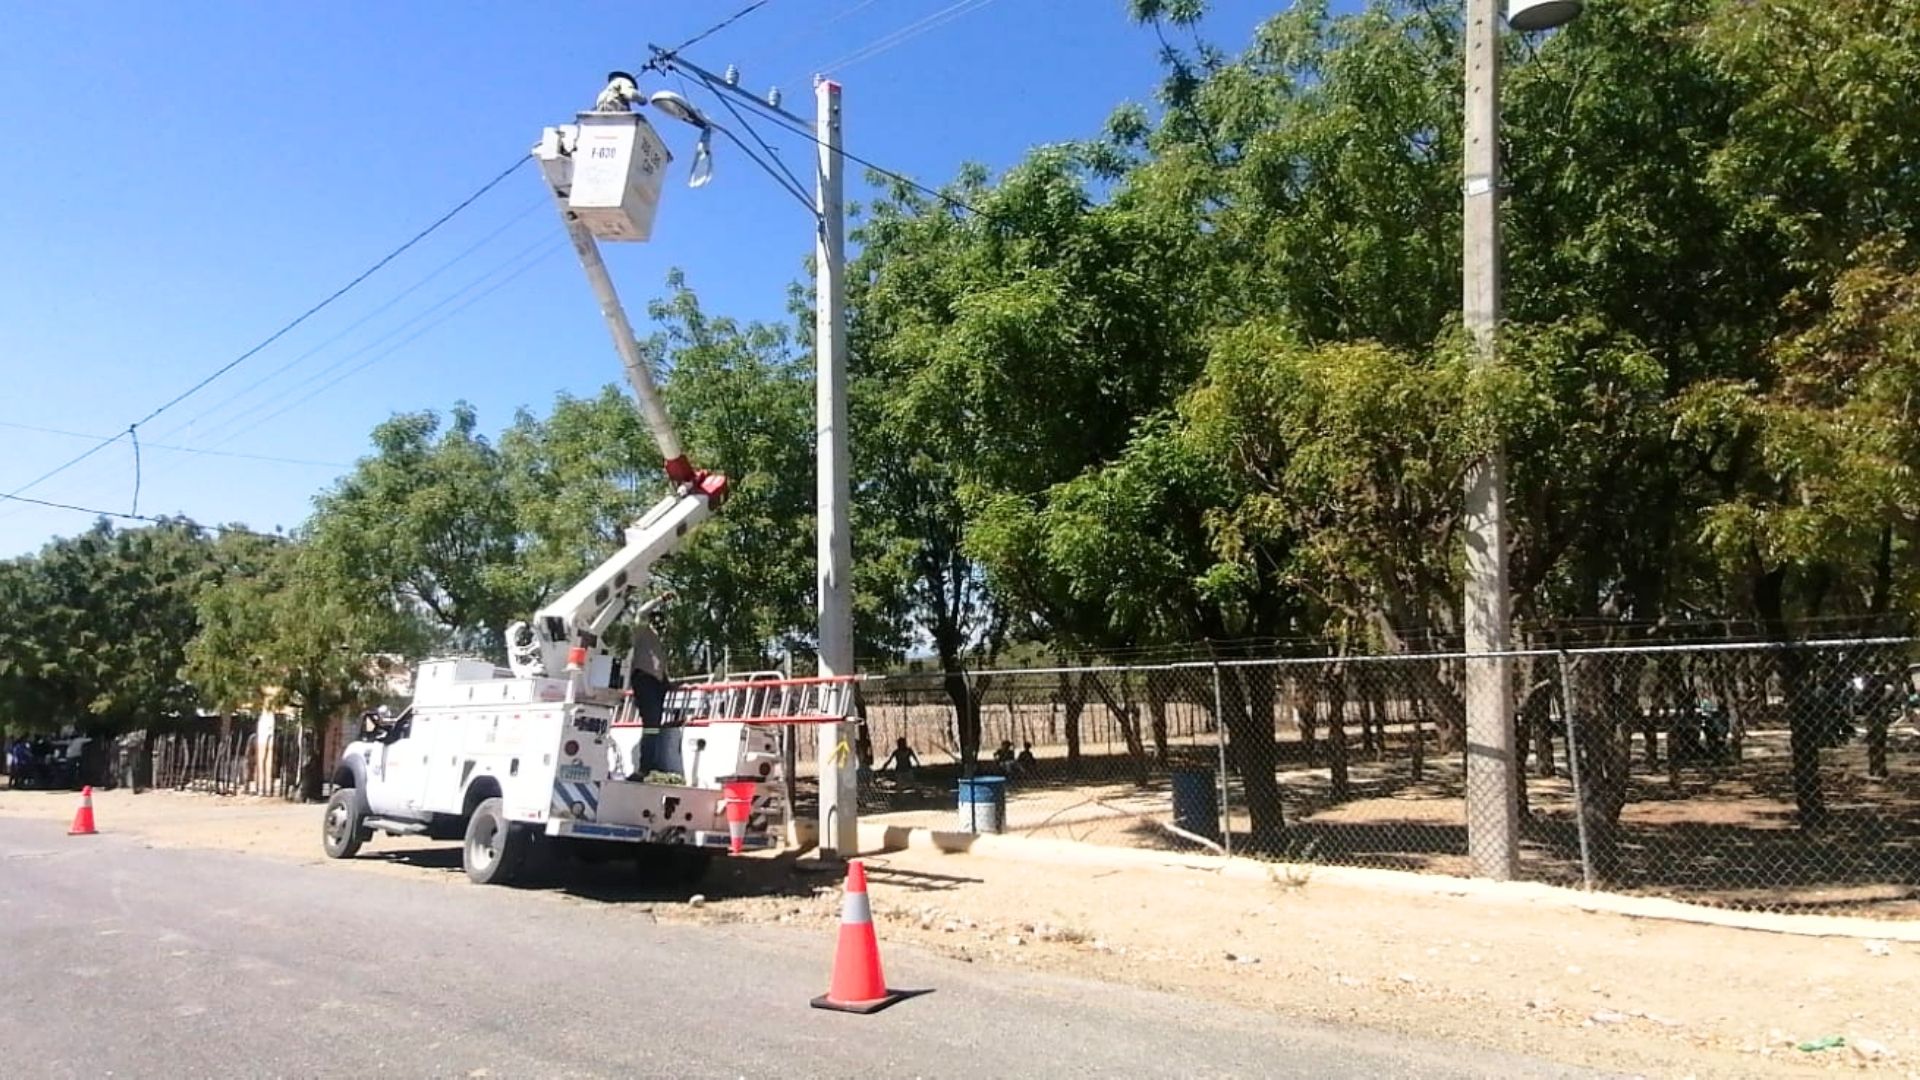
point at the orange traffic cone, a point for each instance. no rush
(858, 985)
(739, 806)
(83, 817)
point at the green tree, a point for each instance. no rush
(288, 627)
(997, 351)
(425, 522)
(741, 401)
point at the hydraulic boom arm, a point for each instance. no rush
(562, 632)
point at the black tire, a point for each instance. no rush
(495, 849)
(692, 865)
(590, 852)
(672, 865)
(343, 828)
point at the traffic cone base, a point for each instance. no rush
(858, 986)
(83, 817)
(862, 1007)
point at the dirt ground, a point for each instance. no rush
(1639, 997)
(1715, 833)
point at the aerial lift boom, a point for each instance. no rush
(604, 173)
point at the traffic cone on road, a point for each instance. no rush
(83, 817)
(858, 985)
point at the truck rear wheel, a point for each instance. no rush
(495, 848)
(342, 829)
(676, 865)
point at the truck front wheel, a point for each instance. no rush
(342, 829)
(494, 849)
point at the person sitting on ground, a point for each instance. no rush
(1025, 762)
(1003, 757)
(902, 761)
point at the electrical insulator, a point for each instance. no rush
(733, 75)
(773, 97)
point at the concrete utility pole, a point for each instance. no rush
(1493, 812)
(839, 791)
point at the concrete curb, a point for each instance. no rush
(877, 838)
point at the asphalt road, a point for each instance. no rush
(121, 960)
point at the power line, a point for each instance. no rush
(179, 449)
(515, 265)
(148, 518)
(462, 256)
(906, 33)
(653, 65)
(552, 248)
(786, 121)
(773, 165)
(855, 9)
(281, 393)
(67, 464)
(283, 331)
(344, 289)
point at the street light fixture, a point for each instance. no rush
(685, 111)
(1528, 16)
(679, 108)
(1493, 812)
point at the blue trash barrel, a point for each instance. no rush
(1196, 802)
(983, 804)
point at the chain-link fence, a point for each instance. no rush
(1771, 777)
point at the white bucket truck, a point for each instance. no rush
(572, 741)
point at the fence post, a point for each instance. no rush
(1573, 771)
(1220, 740)
(960, 711)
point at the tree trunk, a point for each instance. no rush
(1877, 724)
(1336, 696)
(1301, 697)
(1418, 765)
(1747, 686)
(1249, 699)
(1535, 715)
(1073, 697)
(1543, 741)
(1671, 696)
(313, 765)
(1126, 714)
(1804, 725)
(1804, 732)
(1158, 691)
(1442, 696)
(966, 713)
(1605, 694)
(1721, 683)
(1373, 721)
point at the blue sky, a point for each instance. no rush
(184, 178)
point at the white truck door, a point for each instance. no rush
(397, 772)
